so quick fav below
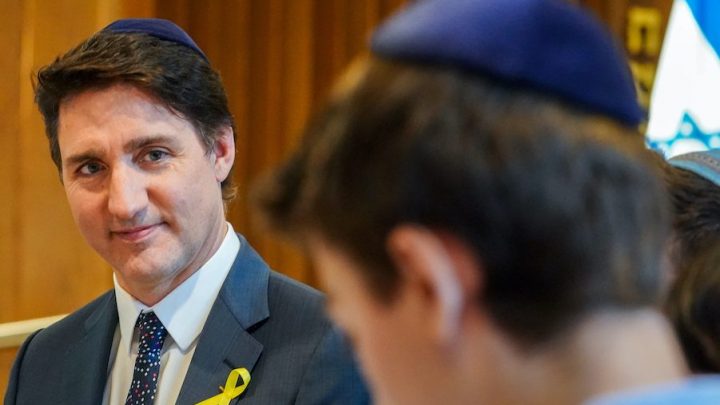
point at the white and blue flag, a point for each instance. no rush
(685, 103)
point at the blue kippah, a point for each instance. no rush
(705, 164)
(549, 45)
(156, 27)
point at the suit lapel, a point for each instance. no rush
(87, 358)
(225, 343)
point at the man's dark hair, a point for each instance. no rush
(175, 75)
(562, 207)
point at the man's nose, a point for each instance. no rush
(127, 193)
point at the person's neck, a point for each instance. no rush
(607, 352)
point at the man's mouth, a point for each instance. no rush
(136, 233)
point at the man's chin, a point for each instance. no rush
(144, 271)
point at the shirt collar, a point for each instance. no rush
(184, 310)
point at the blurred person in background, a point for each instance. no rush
(484, 215)
(693, 306)
(693, 302)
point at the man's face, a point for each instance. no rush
(142, 188)
(392, 348)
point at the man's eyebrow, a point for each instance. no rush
(82, 157)
(141, 142)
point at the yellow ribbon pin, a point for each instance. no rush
(231, 390)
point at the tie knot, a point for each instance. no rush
(150, 327)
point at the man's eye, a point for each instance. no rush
(90, 168)
(156, 155)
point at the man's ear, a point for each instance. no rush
(223, 153)
(442, 270)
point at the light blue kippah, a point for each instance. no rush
(158, 28)
(705, 164)
(552, 46)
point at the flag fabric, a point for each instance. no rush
(685, 103)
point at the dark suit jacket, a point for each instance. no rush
(261, 320)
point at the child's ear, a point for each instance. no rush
(443, 273)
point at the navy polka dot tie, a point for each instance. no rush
(147, 365)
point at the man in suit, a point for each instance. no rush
(140, 130)
(484, 215)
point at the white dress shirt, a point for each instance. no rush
(183, 313)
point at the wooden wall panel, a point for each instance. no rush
(10, 41)
(7, 356)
